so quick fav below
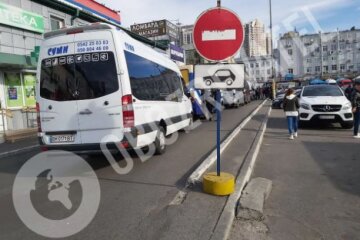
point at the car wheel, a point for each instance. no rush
(160, 142)
(208, 82)
(347, 125)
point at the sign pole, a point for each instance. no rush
(218, 128)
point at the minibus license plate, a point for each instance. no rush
(327, 117)
(62, 138)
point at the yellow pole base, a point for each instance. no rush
(222, 185)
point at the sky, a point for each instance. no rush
(307, 16)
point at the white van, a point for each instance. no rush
(96, 81)
(233, 98)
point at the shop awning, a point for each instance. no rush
(17, 61)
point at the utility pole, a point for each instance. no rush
(272, 50)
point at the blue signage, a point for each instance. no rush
(177, 53)
(58, 50)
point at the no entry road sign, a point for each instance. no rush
(218, 34)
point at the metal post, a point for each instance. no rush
(271, 49)
(218, 3)
(218, 127)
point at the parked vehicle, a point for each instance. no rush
(221, 75)
(325, 103)
(233, 98)
(96, 81)
(278, 102)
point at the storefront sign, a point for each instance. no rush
(176, 53)
(150, 29)
(19, 18)
(172, 30)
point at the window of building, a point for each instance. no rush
(317, 69)
(325, 48)
(56, 23)
(308, 60)
(268, 71)
(351, 67)
(333, 47)
(257, 65)
(334, 67)
(290, 51)
(342, 67)
(342, 46)
(291, 71)
(326, 69)
(257, 72)
(251, 65)
(308, 70)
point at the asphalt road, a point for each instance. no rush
(316, 184)
(131, 205)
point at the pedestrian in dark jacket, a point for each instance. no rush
(291, 107)
(355, 101)
(348, 92)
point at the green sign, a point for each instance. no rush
(14, 91)
(29, 89)
(17, 17)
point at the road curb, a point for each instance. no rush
(17, 151)
(211, 158)
(224, 225)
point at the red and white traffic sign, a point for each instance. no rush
(218, 34)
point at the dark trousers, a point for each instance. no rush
(356, 121)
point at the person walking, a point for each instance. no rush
(291, 107)
(355, 100)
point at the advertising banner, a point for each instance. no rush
(177, 53)
(29, 89)
(14, 91)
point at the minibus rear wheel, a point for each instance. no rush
(160, 141)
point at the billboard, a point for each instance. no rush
(219, 76)
(150, 29)
(177, 53)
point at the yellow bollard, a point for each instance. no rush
(222, 185)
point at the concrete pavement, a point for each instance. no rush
(316, 185)
(136, 206)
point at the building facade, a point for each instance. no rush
(256, 42)
(257, 69)
(326, 55)
(22, 24)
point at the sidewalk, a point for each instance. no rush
(316, 185)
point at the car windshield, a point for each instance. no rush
(319, 91)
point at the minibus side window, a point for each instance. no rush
(150, 81)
